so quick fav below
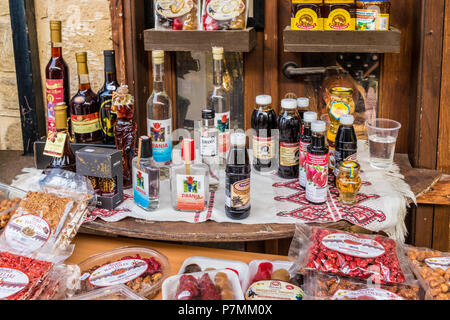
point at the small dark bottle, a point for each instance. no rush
(107, 118)
(346, 141)
(237, 181)
(302, 107)
(305, 141)
(289, 125)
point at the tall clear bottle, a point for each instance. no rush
(159, 114)
(209, 145)
(219, 101)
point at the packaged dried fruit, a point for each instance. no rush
(326, 287)
(224, 14)
(177, 15)
(366, 257)
(62, 283)
(432, 268)
(141, 269)
(9, 201)
(118, 292)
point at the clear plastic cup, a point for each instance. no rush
(382, 135)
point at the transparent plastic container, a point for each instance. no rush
(7, 205)
(126, 265)
(119, 292)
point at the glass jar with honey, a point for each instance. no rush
(348, 182)
(339, 15)
(306, 15)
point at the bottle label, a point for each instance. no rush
(12, 282)
(366, 294)
(173, 9)
(54, 146)
(289, 154)
(306, 19)
(55, 95)
(302, 164)
(27, 233)
(339, 19)
(366, 19)
(118, 272)
(331, 157)
(338, 109)
(353, 245)
(225, 9)
(263, 147)
(106, 120)
(239, 195)
(191, 192)
(141, 190)
(208, 146)
(87, 123)
(161, 133)
(317, 178)
(222, 121)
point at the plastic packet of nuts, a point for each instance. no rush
(365, 257)
(48, 217)
(432, 268)
(225, 14)
(177, 15)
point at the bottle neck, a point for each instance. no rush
(158, 77)
(206, 123)
(56, 50)
(110, 77)
(261, 107)
(84, 83)
(318, 139)
(218, 72)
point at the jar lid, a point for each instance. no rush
(348, 166)
(188, 150)
(309, 116)
(318, 126)
(208, 114)
(289, 104)
(341, 90)
(263, 100)
(347, 119)
(237, 139)
(303, 102)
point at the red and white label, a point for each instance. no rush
(366, 294)
(353, 246)
(316, 178)
(118, 272)
(27, 233)
(11, 282)
(438, 263)
(55, 95)
(302, 162)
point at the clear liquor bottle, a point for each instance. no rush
(159, 114)
(209, 145)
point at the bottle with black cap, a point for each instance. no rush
(146, 176)
(209, 144)
(107, 119)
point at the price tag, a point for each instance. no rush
(55, 148)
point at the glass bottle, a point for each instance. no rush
(84, 107)
(219, 101)
(209, 145)
(289, 125)
(189, 181)
(107, 118)
(159, 114)
(145, 177)
(302, 107)
(346, 142)
(305, 141)
(237, 181)
(67, 160)
(56, 78)
(125, 130)
(264, 120)
(317, 164)
(348, 182)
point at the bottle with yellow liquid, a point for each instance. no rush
(340, 103)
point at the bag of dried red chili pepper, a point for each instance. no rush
(361, 256)
(224, 14)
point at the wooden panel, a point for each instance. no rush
(438, 194)
(424, 226)
(342, 41)
(441, 227)
(117, 23)
(199, 40)
(271, 48)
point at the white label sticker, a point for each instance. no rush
(118, 272)
(438, 262)
(366, 294)
(354, 246)
(27, 233)
(273, 290)
(191, 192)
(11, 282)
(208, 146)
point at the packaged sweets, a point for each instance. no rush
(339, 15)
(118, 292)
(360, 256)
(432, 268)
(9, 201)
(224, 14)
(306, 15)
(177, 15)
(62, 283)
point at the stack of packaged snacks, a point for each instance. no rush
(432, 268)
(224, 14)
(9, 201)
(177, 15)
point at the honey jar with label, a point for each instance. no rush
(306, 15)
(348, 182)
(339, 15)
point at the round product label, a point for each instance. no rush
(340, 19)
(338, 109)
(118, 272)
(273, 290)
(225, 9)
(173, 8)
(306, 19)
(11, 282)
(353, 246)
(366, 294)
(27, 233)
(438, 262)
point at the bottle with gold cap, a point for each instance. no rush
(159, 114)
(67, 160)
(219, 101)
(84, 107)
(56, 78)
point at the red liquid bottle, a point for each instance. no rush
(305, 141)
(289, 124)
(56, 78)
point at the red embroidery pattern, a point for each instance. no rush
(326, 212)
(105, 213)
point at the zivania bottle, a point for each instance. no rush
(305, 141)
(209, 145)
(289, 125)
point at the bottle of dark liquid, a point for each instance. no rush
(346, 142)
(237, 181)
(264, 120)
(305, 141)
(67, 160)
(289, 125)
(107, 119)
(317, 164)
(84, 107)
(56, 78)
(302, 107)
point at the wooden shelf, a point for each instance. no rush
(199, 40)
(342, 41)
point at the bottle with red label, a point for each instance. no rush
(289, 126)
(305, 141)
(317, 164)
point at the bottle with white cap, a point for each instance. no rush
(264, 122)
(237, 181)
(317, 164)
(305, 141)
(289, 125)
(302, 107)
(346, 144)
